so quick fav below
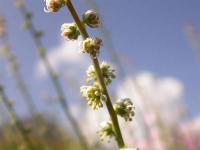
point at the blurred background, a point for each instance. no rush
(155, 48)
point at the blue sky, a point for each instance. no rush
(149, 33)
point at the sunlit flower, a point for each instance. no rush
(94, 95)
(53, 5)
(91, 18)
(107, 72)
(106, 130)
(70, 31)
(125, 109)
(91, 46)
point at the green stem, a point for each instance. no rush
(17, 122)
(95, 62)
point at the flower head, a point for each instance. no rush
(53, 5)
(91, 46)
(125, 109)
(91, 18)
(106, 130)
(94, 95)
(70, 31)
(107, 72)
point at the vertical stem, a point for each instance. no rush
(64, 104)
(56, 83)
(17, 122)
(21, 86)
(20, 83)
(95, 62)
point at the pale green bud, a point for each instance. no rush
(70, 31)
(54, 5)
(106, 130)
(91, 18)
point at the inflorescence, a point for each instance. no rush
(94, 92)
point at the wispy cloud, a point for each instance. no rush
(151, 92)
(66, 54)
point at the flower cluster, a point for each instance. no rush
(106, 130)
(107, 72)
(54, 5)
(125, 109)
(96, 92)
(94, 95)
(70, 31)
(91, 46)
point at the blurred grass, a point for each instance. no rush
(52, 135)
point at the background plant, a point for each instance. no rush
(36, 35)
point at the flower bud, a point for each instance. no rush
(91, 46)
(53, 5)
(106, 130)
(70, 31)
(91, 18)
(125, 109)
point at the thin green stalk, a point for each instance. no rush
(16, 120)
(55, 80)
(95, 62)
(21, 86)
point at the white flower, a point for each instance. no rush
(107, 72)
(125, 109)
(94, 95)
(70, 31)
(53, 5)
(91, 46)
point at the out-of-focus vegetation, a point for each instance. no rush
(47, 135)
